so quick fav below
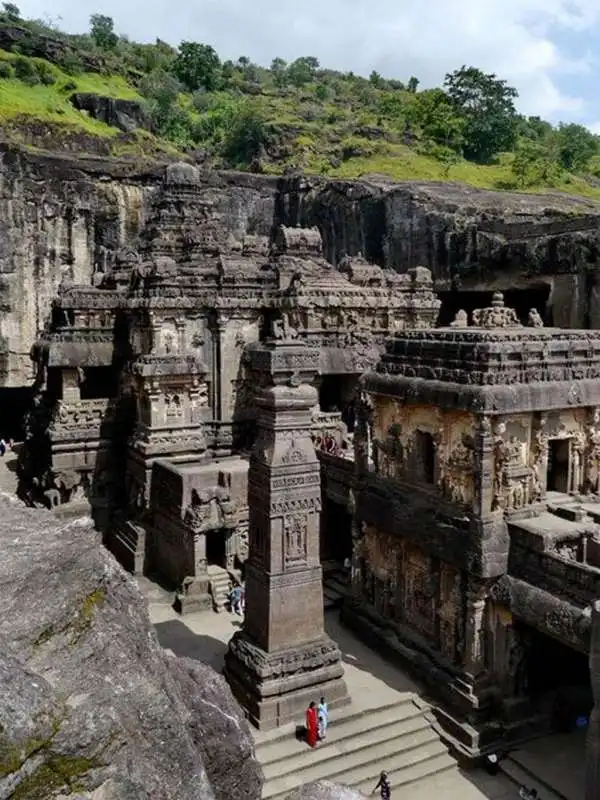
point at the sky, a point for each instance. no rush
(548, 49)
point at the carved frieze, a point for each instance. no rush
(295, 529)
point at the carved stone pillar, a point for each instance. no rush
(474, 654)
(483, 468)
(282, 659)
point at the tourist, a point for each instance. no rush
(311, 725)
(323, 718)
(2, 447)
(236, 600)
(384, 787)
(243, 599)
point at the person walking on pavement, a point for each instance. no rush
(384, 787)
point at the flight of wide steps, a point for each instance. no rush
(360, 744)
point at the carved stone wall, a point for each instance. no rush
(398, 455)
(419, 592)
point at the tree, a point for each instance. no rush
(102, 32)
(248, 135)
(303, 70)
(197, 66)
(439, 119)
(413, 84)
(11, 11)
(487, 104)
(576, 146)
(279, 70)
(535, 163)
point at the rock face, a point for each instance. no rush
(69, 215)
(470, 238)
(69, 218)
(90, 704)
(127, 115)
(324, 790)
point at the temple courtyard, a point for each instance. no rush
(386, 726)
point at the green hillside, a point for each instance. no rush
(55, 90)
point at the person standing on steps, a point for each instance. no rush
(323, 715)
(312, 734)
(384, 787)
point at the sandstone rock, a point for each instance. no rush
(90, 704)
(127, 115)
(324, 790)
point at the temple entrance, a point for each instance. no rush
(522, 300)
(558, 678)
(336, 393)
(13, 405)
(336, 532)
(557, 477)
(215, 548)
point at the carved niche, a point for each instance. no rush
(456, 472)
(592, 455)
(173, 406)
(512, 476)
(295, 528)
(209, 510)
(392, 452)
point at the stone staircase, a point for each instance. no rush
(335, 585)
(398, 738)
(219, 587)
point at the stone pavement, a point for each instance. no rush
(372, 683)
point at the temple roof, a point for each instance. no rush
(495, 364)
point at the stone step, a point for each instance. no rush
(521, 776)
(342, 720)
(422, 772)
(407, 733)
(405, 764)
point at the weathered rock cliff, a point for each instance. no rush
(90, 704)
(71, 215)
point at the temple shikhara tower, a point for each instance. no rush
(282, 659)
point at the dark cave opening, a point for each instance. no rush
(558, 678)
(13, 405)
(521, 299)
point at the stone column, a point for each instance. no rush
(282, 658)
(474, 660)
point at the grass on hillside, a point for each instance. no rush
(328, 137)
(51, 103)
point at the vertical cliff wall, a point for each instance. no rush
(471, 239)
(70, 217)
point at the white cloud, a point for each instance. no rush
(516, 39)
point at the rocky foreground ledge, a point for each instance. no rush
(91, 706)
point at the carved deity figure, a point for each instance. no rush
(534, 320)
(461, 320)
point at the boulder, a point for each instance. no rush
(127, 115)
(324, 790)
(90, 704)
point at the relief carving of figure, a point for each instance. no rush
(209, 510)
(533, 319)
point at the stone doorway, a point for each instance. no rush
(558, 474)
(216, 548)
(558, 678)
(336, 532)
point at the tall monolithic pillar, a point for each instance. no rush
(282, 658)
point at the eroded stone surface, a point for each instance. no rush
(88, 697)
(324, 790)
